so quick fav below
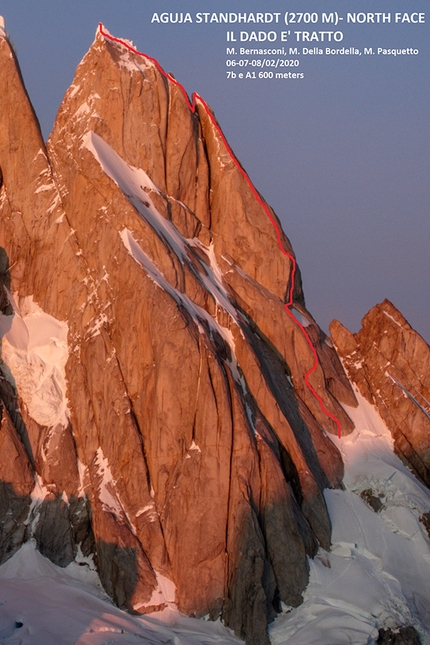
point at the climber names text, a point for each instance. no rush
(270, 63)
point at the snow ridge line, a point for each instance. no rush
(192, 106)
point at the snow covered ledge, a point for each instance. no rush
(35, 353)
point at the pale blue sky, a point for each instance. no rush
(343, 155)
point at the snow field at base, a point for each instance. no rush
(377, 573)
(35, 350)
(41, 604)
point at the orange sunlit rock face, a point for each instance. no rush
(183, 443)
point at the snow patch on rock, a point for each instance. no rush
(107, 494)
(200, 316)
(300, 317)
(149, 511)
(163, 594)
(35, 350)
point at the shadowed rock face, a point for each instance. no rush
(390, 364)
(402, 636)
(169, 426)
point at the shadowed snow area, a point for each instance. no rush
(378, 570)
(41, 604)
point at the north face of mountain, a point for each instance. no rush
(166, 395)
(389, 362)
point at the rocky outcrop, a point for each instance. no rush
(390, 364)
(171, 392)
(402, 636)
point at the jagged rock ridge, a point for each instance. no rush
(155, 410)
(389, 362)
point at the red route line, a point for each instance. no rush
(192, 106)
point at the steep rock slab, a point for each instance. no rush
(390, 364)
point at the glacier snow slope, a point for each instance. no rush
(41, 604)
(377, 574)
